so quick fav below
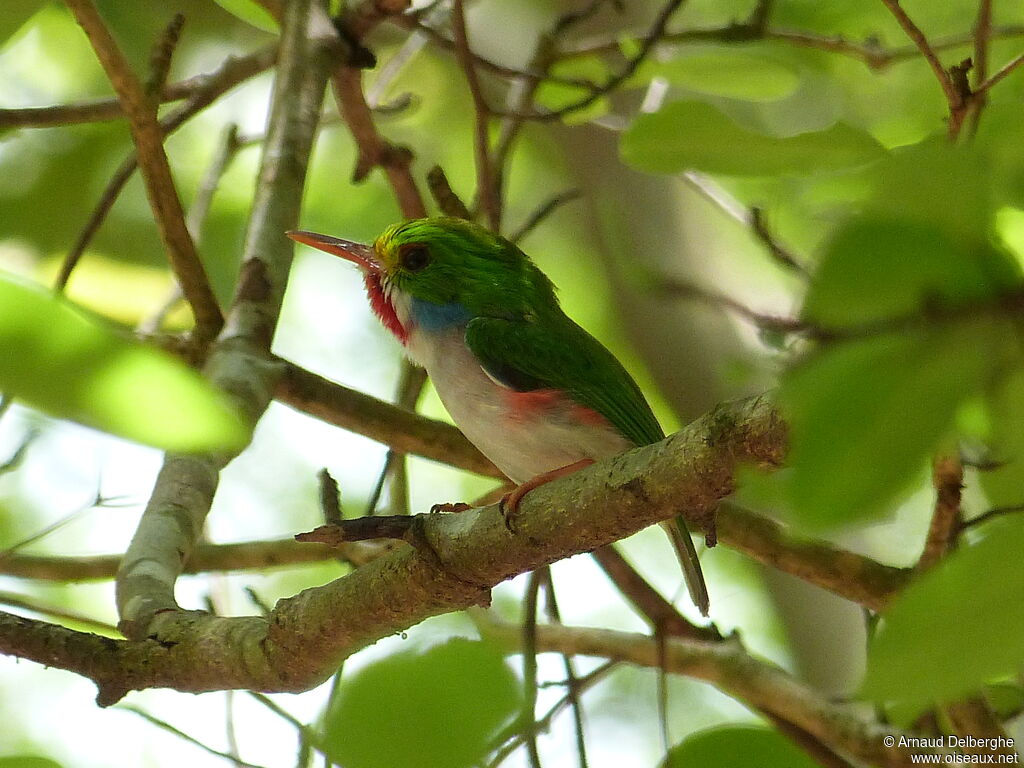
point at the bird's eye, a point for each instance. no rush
(415, 258)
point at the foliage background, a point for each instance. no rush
(613, 251)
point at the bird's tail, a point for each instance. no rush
(679, 534)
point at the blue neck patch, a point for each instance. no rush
(439, 317)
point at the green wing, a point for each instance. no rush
(526, 356)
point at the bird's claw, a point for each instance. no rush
(509, 507)
(450, 506)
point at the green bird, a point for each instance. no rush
(537, 394)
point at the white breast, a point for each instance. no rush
(521, 446)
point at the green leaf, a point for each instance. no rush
(865, 414)
(959, 626)
(442, 707)
(63, 362)
(696, 136)
(27, 761)
(876, 269)
(1006, 699)
(737, 745)
(730, 74)
(16, 13)
(1004, 482)
(937, 185)
(251, 13)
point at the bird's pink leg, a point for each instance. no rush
(509, 504)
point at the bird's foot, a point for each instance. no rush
(450, 506)
(509, 504)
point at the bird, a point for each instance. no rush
(531, 389)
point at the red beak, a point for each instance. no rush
(358, 253)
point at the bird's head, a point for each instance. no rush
(440, 271)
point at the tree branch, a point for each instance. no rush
(156, 172)
(399, 428)
(240, 363)
(232, 71)
(486, 192)
(239, 556)
(302, 641)
(730, 669)
(847, 574)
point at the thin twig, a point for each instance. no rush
(399, 428)
(307, 735)
(200, 98)
(982, 34)
(513, 739)
(18, 456)
(29, 604)
(529, 714)
(227, 148)
(487, 194)
(572, 680)
(781, 255)
(954, 98)
(330, 499)
(870, 53)
(437, 37)
(770, 323)
(992, 514)
(182, 735)
(160, 59)
(1003, 72)
(544, 210)
(445, 197)
(232, 71)
(240, 556)
(647, 43)
(659, 613)
(156, 172)
(394, 473)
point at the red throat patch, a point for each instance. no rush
(383, 308)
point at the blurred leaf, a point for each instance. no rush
(1004, 483)
(865, 415)
(877, 269)
(737, 745)
(122, 291)
(730, 74)
(1006, 699)
(16, 13)
(27, 761)
(932, 183)
(1009, 224)
(441, 708)
(695, 136)
(61, 361)
(915, 660)
(250, 12)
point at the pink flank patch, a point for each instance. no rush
(383, 308)
(525, 406)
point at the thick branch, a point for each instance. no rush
(855, 577)
(401, 429)
(240, 363)
(459, 558)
